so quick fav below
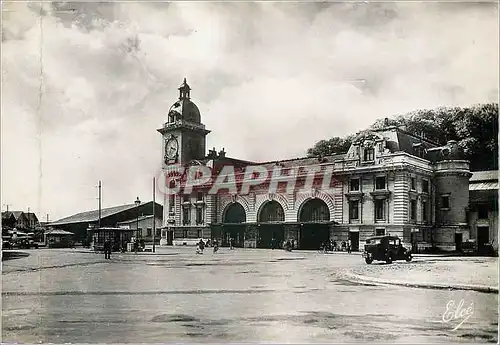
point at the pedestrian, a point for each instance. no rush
(273, 243)
(216, 246)
(349, 246)
(334, 245)
(107, 249)
(293, 243)
(231, 243)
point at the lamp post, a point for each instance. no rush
(137, 203)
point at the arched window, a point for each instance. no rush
(235, 213)
(272, 212)
(314, 210)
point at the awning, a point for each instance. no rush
(483, 186)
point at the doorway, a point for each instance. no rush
(483, 238)
(271, 236)
(354, 236)
(313, 235)
(235, 232)
(170, 237)
(458, 242)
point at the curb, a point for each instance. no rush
(479, 288)
(126, 253)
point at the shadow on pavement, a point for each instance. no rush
(11, 255)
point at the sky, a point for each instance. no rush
(86, 85)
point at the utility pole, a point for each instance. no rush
(154, 217)
(99, 204)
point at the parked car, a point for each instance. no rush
(385, 248)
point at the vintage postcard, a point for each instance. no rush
(249, 172)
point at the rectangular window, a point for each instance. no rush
(186, 216)
(413, 209)
(199, 215)
(199, 233)
(184, 233)
(379, 209)
(369, 154)
(425, 186)
(171, 203)
(354, 185)
(354, 209)
(379, 232)
(380, 182)
(158, 233)
(199, 196)
(445, 201)
(186, 198)
(413, 183)
(425, 212)
(150, 232)
(482, 212)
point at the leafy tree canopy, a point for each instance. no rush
(475, 128)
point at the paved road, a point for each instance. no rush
(234, 296)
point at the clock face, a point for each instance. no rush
(171, 148)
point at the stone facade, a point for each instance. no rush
(389, 182)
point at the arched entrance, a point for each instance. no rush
(271, 230)
(233, 226)
(314, 228)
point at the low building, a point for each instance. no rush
(110, 217)
(120, 238)
(483, 209)
(145, 226)
(59, 239)
(19, 220)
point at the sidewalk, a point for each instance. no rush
(456, 273)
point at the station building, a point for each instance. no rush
(389, 182)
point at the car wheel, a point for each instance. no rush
(408, 258)
(388, 259)
(368, 260)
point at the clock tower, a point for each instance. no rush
(184, 136)
(184, 140)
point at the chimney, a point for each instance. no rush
(222, 153)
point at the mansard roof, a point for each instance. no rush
(399, 140)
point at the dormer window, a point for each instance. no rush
(369, 154)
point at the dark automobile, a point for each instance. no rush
(385, 248)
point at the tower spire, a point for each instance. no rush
(184, 90)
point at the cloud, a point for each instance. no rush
(270, 80)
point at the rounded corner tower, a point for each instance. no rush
(452, 174)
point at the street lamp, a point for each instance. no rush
(137, 203)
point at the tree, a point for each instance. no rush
(475, 128)
(332, 146)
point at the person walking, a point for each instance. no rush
(107, 249)
(349, 246)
